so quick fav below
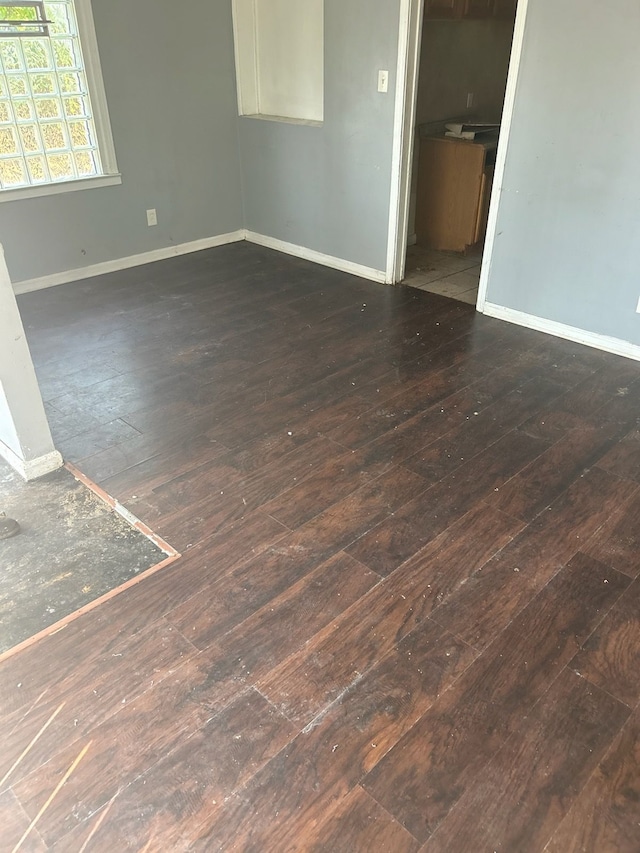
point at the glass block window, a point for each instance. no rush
(47, 131)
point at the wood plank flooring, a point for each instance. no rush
(407, 615)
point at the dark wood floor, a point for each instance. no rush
(407, 614)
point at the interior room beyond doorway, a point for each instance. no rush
(464, 62)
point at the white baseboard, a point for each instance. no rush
(317, 257)
(560, 330)
(31, 469)
(80, 273)
(65, 277)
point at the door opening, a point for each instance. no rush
(457, 76)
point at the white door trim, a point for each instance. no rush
(503, 147)
(411, 13)
(406, 93)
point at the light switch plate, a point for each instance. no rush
(383, 81)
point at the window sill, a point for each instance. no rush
(61, 187)
(284, 119)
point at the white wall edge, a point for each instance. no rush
(503, 146)
(616, 346)
(317, 257)
(93, 270)
(31, 469)
(406, 94)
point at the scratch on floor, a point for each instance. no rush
(31, 744)
(320, 717)
(52, 796)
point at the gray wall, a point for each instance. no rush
(327, 188)
(569, 217)
(170, 79)
(459, 57)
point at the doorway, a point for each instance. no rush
(458, 66)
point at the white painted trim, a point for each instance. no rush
(39, 190)
(406, 92)
(317, 257)
(31, 469)
(246, 59)
(503, 146)
(32, 284)
(559, 330)
(97, 93)
(305, 122)
(29, 285)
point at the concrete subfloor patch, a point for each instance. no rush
(73, 550)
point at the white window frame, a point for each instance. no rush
(101, 121)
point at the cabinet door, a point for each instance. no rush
(505, 10)
(450, 181)
(442, 9)
(478, 8)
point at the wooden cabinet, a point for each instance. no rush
(456, 10)
(454, 188)
(442, 9)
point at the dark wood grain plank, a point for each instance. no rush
(14, 822)
(233, 598)
(94, 689)
(162, 807)
(285, 623)
(493, 596)
(226, 505)
(333, 480)
(461, 731)
(617, 542)
(427, 427)
(384, 547)
(611, 656)
(308, 682)
(123, 747)
(541, 482)
(624, 458)
(327, 759)
(359, 825)
(138, 466)
(405, 405)
(480, 429)
(92, 441)
(529, 786)
(606, 815)
(223, 493)
(442, 354)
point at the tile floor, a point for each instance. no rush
(446, 273)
